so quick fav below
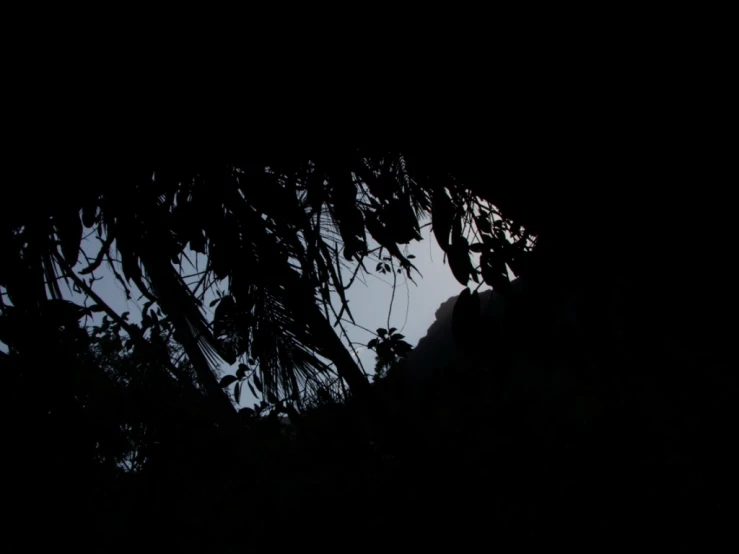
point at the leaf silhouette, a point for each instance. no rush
(241, 371)
(459, 261)
(494, 272)
(69, 229)
(483, 225)
(442, 217)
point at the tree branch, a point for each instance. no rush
(104, 249)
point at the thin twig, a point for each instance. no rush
(392, 296)
(104, 249)
(407, 305)
(345, 335)
(360, 326)
(205, 274)
(118, 277)
(132, 331)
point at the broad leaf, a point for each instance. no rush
(241, 371)
(258, 383)
(442, 217)
(69, 231)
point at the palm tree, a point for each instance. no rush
(279, 233)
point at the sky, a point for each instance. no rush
(415, 304)
(413, 308)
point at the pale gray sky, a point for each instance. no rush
(415, 304)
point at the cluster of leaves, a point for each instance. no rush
(502, 244)
(384, 267)
(269, 404)
(390, 349)
(113, 397)
(279, 233)
(276, 233)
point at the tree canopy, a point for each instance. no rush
(272, 243)
(281, 236)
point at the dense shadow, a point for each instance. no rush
(595, 393)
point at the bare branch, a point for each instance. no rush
(104, 249)
(392, 296)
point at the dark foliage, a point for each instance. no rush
(601, 399)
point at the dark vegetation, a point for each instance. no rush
(603, 399)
